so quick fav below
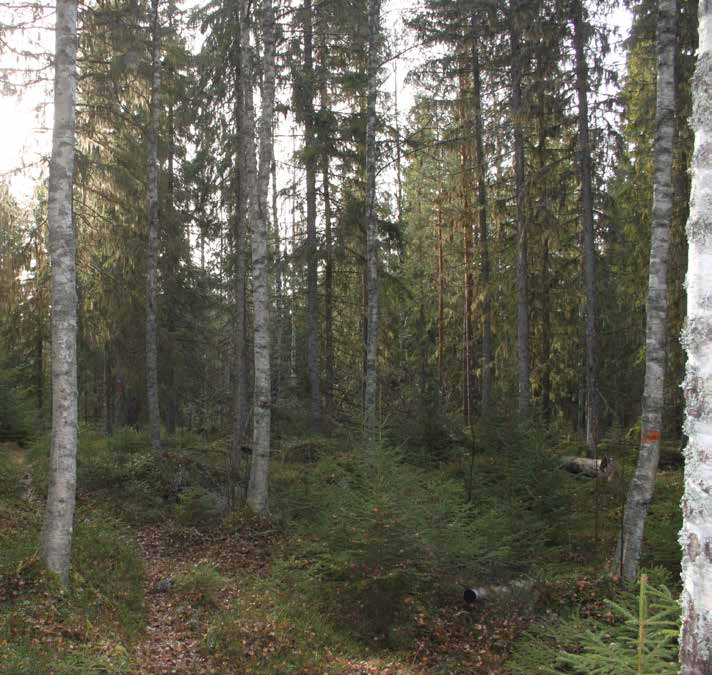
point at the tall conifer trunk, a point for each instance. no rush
(519, 178)
(240, 413)
(310, 162)
(154, 416)
(259, 216)
(374, 21)
(589, 256)
(328, 284)
(641, 489)
(696, 535)
(56, 541)
(480, 172)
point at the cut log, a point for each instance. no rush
(593, 468)
(482, 593)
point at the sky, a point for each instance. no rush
(25, 120)
(25, 117)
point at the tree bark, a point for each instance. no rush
(441, 304)
(239, 417)
(310, 163)
(696, 534)
(154, 416)
(589, 256)
(257, 491)
(469, 286)
(641, 489)
(328, 286)
(519, 177)
(480, 171)
(56, 540)
(374, 10)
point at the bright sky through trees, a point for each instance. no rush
(26, 114)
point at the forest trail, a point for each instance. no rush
(170, 645)
(176, 617)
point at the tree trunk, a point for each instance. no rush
(441, 304)
(546, 334)
(154, 417)
(641, 489)
(56, 541)
(239, 417)
(589, 259)
(257, 489)
(328, 285)
(519, 177)
(696, 534)
(310, 162)
(467, 386)
(108, 391)
(374, 9)
(480, 171)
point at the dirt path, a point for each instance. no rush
(170, 645)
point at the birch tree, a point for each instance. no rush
(56, 542)
(374, 22)
(696, 535)
(154, 416)
(641, 489)
(257, 489)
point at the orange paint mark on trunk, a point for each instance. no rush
(651, 436)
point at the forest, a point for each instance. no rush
(356, 336)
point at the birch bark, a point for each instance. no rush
(257, 491)
(56, 540)
(641, 489)
(696, 534)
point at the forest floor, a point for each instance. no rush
(157, 590)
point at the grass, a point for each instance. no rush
(291, 616)
(46, 629)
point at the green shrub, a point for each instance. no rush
(639, 636)
(17, 411)
(47, 629)
(197, 507)
(203, 582)
(277, 626)
(386, 529)
(108, 572)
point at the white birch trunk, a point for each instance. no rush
(696, 534)
(370, 397)
(56, 542)
(257, 489)
(641, 489)
(154, 416)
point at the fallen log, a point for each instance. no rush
(482, 593)
(593, 468)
